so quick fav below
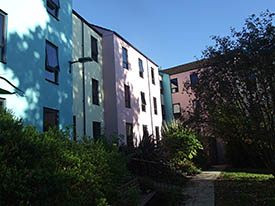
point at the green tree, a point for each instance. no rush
(236, 91)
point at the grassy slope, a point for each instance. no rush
(245, 187)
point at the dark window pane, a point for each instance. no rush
(52, 59)
(125, 58)
(56, 2)
(141, 70)
(2, 24)
(196, 106)
(51, 75)
(96, 130)
(155, 105)
(129, 134)
(2, 102)
(50, 118)
(95, 92)
(157, 133)
(153, 76)
(145, 130)
(94, 49)
(53, 7)
(143, 102)
(194, 79)
(127, 96)
(52, 65)
(174, 85)
(143, 98)
(2, 37)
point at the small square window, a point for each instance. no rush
(53, 7)
(52, 64)
(3, 29)
(174, 85)
(124, 58)
(94, 49)
(155, 105)
(141, 70)
(176, 110)
(95, 92)
(127, 96)
(96, 130)
(50, 118)
(143, 101)
(129, 135)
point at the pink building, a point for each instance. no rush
(131, 89)
(178, 76)
(183, 101)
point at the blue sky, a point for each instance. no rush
(170, 32)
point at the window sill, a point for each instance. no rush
(3, 61)
(56, 83)
(53, 16)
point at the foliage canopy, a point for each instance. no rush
(236, 90)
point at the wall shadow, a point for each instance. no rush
(25, 66)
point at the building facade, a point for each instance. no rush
(131, 89)
(183, 103)
(181, 100)
(88, 106)
(36, 45)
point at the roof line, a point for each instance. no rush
(109, 30)
(185, 67)
(86, 22)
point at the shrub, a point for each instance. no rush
(49, 169)
(180, 144)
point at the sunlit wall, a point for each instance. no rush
(28, 26)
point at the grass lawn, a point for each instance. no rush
(245, 188)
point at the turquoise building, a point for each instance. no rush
(35, 48)
(166, 97)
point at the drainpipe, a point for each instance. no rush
(83, 82)
(150, 97)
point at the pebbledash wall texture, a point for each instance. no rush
(131, 88)
(36, 49)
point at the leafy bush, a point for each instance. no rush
(180, 145)
(50, 169)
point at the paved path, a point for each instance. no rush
(200, 189)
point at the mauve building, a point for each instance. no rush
(132, 100)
